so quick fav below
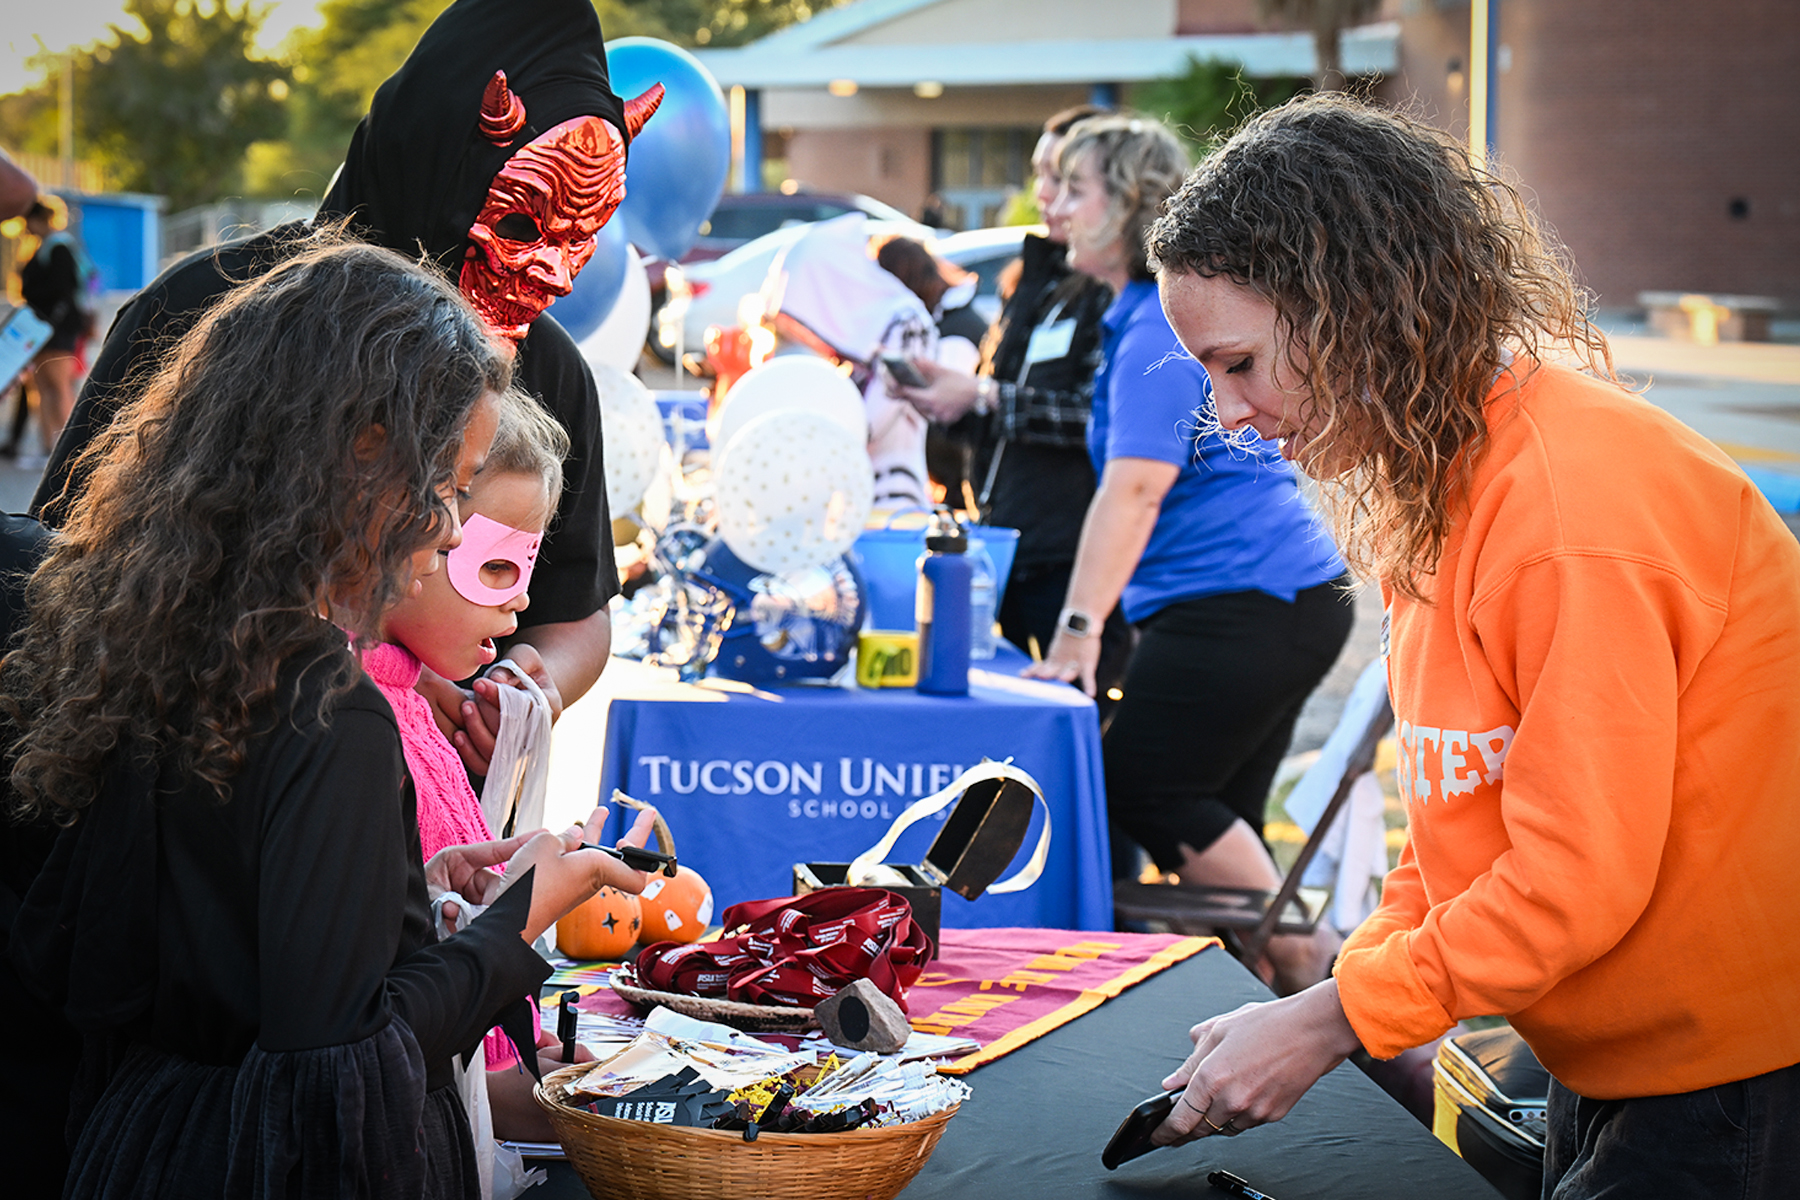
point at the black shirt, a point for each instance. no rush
(275, 948)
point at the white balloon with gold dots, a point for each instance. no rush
(631, 432)
(793, 492)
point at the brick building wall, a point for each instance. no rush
(1660, 139)
(891, 164)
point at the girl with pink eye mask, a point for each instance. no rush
(453, 624)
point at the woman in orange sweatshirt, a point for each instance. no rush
(1593, 649)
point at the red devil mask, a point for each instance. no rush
(536, 230)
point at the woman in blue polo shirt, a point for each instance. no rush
(1236, 591)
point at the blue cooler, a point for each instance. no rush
(888, 561)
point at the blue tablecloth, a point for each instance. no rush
(752, 786)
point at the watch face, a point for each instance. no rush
(1076, 623)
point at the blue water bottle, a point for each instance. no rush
(943, 609)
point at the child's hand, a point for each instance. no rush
(478, 728)
(566, 875)
(469, 870)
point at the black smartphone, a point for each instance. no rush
(638, 859)
(1132, 1138)
(904, 372)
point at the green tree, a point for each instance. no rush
(1326, 20)
(359, 43)
(1209, 99)
(172, 109)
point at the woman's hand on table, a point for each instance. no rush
(1071, 660)
(947, 396)
(1251, 1066)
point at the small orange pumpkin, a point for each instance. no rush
(678, 909)
(604, 926)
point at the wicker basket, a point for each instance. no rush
(636, 1160)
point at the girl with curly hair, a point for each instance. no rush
(234, 914)
(1593, 648)
(1206, 545)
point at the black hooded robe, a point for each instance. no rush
(414, 179)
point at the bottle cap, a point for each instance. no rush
(946, 536)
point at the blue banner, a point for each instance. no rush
(752, 786)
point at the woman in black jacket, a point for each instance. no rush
(1027, 413)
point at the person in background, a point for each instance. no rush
(1240, 603)
(1593, 649)
(1026, 413)
(53, 283)
(949, 292)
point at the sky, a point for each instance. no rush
(58, 24)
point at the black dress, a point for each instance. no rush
(265, 1008)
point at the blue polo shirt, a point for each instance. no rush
(1235, 520)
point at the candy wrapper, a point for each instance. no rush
(697, 1074)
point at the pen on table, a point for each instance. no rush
(1225, 1181)
(565, 1024)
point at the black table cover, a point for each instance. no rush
(1038, 1118)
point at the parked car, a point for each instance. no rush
(985, 253)
(709, 293)
(740, 218)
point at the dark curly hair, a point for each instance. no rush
(282, 466)
(1404, 277)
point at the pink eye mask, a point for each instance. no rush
(485, 541)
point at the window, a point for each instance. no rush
(976, 170)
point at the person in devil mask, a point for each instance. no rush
(497, 151)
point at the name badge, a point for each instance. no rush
(1050, 341)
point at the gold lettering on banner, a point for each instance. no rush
(966, 1011)
(1039, 971)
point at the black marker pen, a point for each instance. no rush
(566, 1023)
(1225, 1181)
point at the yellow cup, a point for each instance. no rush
(887, 658)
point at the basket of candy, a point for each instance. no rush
(671, 1119)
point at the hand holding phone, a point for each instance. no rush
(1132, 1138)
(904, 373)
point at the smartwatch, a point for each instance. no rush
(1075, 623)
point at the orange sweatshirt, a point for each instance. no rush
(1599, 724)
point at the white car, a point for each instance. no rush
(703, 294)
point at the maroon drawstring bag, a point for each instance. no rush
(798, 950)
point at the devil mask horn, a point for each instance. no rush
(502, 113)
(638, 109)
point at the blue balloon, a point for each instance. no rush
(678, 163)
(597, 287)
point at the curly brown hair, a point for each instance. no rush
(1404, 279)
(283, 465)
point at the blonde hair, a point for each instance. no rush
(1140, 164)
(1405, 278)
(529, 441)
